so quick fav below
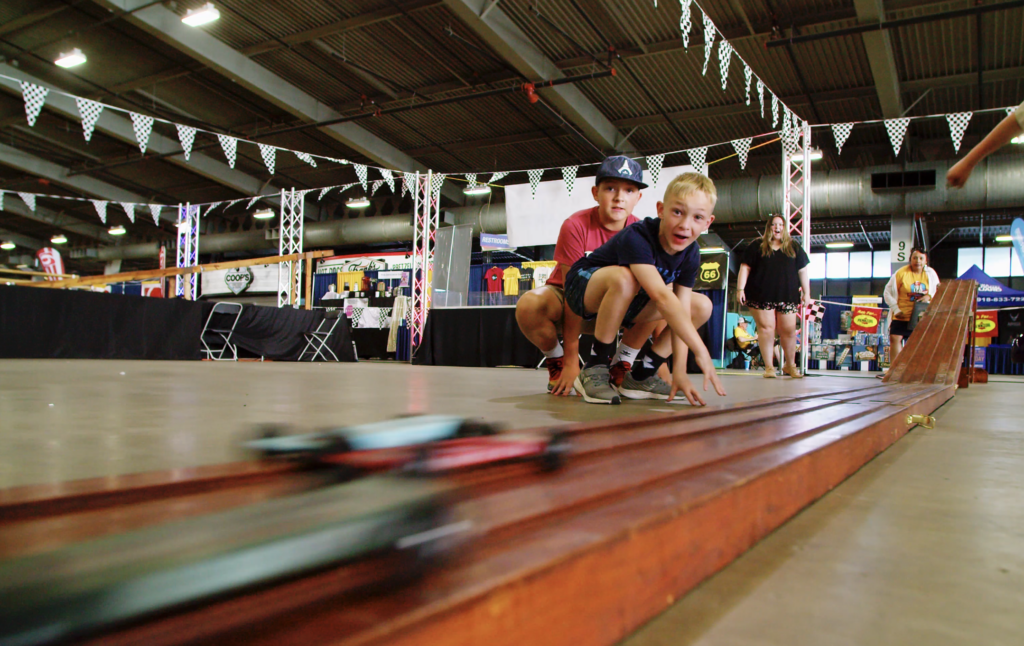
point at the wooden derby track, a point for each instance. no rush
(644, 510)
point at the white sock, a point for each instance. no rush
(554, 352)
(625, 353)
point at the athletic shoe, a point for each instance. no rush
(654, 387)
(554, 371)
(618, 371)
(792, 372)
(769, 373)
(592, 384)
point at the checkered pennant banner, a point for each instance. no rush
(698, 159)
(1, 200)
(724, 57)
(748, 76)
(499, 175)
(535, 176)
(709, 41)
(212, 207)
(569, 177)
(269, 154)
(90, 112)
(742, 147)
(230, 147)
(436, 182)
(897, 129)
(233, 202)
(360, 173)
(957, 125)
(357, 313)
(389, 177)
(775, 111)
(101, 209)
(841, 131)
(382, 317)
(187, 137)
(816, 312)
(760, 95)
(154, 210)
(34, 96)
(129, 210)
(306, 157)
(685, 23)
(377, 183)
(29, 199)
(785, 120)
(471, 180)
(407, 179)
(791, 141)
(324, 191)
(253, 201)
(654, 164)
(143, 126)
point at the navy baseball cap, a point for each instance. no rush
(620, 167)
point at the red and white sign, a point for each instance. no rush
(51, 261)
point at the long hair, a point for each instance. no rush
(788, 246)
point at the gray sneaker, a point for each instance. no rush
(592, 384)
(654, 387)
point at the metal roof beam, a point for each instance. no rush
(22, 240)
(35, 166)
(878, 47)
(57, 220)
(515, 47)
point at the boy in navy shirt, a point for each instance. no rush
(627, 280)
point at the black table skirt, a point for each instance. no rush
(50, 323)
(482, 337)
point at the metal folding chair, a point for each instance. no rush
(316, 341)
(216, 335)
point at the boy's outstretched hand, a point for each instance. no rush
(682, 384)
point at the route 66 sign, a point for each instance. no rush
(238, 279)
(713, 270)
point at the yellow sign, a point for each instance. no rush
(709, 272)
(865, 320)
(982, 326)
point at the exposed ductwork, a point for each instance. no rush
(997, 182)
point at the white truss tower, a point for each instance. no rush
(426, 210)
(796, 208)
(289, 274)
(188, 250)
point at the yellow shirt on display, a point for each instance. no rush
(511, 276)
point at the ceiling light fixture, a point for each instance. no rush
(479, 189)
(59, 239)
(201, 16)
(183, 226)
(711, 249)
(358, 203)
(70, 59)
(7, 245)
(838, 245)
(1004, 238)
(815, 155)
(1019, 139)
(264, 214)
(117, 231)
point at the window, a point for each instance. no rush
(817, 266)
(968, 256)
(837, 265)
(1015, 264)
(860, 264)
(882, 265)
(997, 262)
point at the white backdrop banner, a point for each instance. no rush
(255, 279)
(532, 221)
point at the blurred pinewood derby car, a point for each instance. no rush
(421, 444)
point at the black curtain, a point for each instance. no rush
(475, 337)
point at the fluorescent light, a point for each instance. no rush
(8, 245)
(201, 16)
(117, 231)
(1005, 238)
(838, 245)
(815, 155)
(70, 59)
(265, 214)
(58, 239)
(358, 203)
(479, 189)
(710, 249)
(1019, 139)
(183, 226)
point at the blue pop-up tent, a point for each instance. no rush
(992, 293)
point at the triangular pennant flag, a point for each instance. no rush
(143, 126)
(233, 202)
(435, 186)
(230, 147)
(748, 76)
(212, 207)
(361, 174)
(375, 185)
(897, 129)
(654, 164)
(306, 157)
(187, 137)
(499, 175)
(724, 57)
(406, 180)
(90, 113)
(785, 120)
(389, 177)
(841, 131)
(1, 200)
(760, 95)
(742, 147)
(29, 199)
(957, 125)
(791, 141)
(709, 41)
(269, 154)
(324, 192)
(347, 186)
(470, 180)
(535, 176)
(775, 110)
(154, 210)
(698, 159)
(34, 96)
(569, 177)
(101, 209)
(252, 201)
(684, 22)
(129, 210)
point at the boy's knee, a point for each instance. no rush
(624, 281)
(700, 307)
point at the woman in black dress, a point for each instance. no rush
(772, 274)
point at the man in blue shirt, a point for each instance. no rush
(627, 279)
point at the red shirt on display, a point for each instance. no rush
(580, 233)
(493, 278)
